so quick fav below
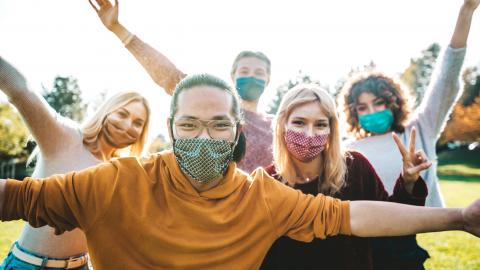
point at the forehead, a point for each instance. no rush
(136, 109)
(366, 97)
(204, 102)
(310, 110)
(251, 63)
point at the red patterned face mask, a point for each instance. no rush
(305, 148)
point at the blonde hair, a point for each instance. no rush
(333, 168)
(92, 128)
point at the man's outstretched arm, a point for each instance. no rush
(370, 219)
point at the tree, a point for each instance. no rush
(341, 82)
(65, 98)
(471, 79)
(464, 125)
(13, 133)
(282, 89)
(418, 74)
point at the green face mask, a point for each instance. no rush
(377, 122)
(203, 159)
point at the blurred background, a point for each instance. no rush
(68, 56)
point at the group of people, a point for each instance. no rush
(239, 189)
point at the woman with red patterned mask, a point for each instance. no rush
(308, 157)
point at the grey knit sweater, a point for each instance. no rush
(429, 120)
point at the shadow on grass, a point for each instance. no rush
(460, 178)
(459, 165)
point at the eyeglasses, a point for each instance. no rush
(192, 128)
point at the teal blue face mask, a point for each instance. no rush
(377, 122)
(250, 88)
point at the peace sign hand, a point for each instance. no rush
(414, 161)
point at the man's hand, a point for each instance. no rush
(471, 217)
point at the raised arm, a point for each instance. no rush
(444, 87)
(370, 219)
(161, 70)
(46, 126)
(464, 21)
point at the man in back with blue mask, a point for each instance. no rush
(250, 73)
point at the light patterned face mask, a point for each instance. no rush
(305, 148)
(203, 159)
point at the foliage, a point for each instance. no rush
(360, 69)
(465, 124)
(159, 144)
(418, 74)
(13, 133)
(282, 89)
(65, 98)
(471, 90)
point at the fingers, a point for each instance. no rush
(419, 168)
(116, 3)
(401, 147)
(102, 2)
(93, 6)
(420, 157)
(413, 137)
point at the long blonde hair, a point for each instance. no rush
(92, 128)
(333, 168)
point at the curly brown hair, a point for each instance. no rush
(397, 99)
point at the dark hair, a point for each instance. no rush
(245, 54)
(396, 98)
(210, 80)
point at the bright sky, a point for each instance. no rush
(322, 38)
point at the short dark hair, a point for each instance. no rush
(210, 80)
(245, 54)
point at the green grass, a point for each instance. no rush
(454, 250)
(9, 231)
(459, 172)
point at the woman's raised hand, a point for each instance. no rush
(414, 161)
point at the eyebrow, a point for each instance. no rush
(302, 118)
(124, 110)
(217, 117)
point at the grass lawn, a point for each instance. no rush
(460, 182)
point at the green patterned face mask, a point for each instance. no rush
(203, 159)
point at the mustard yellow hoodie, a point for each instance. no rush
(145, 214)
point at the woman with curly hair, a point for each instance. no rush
(376, 105)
